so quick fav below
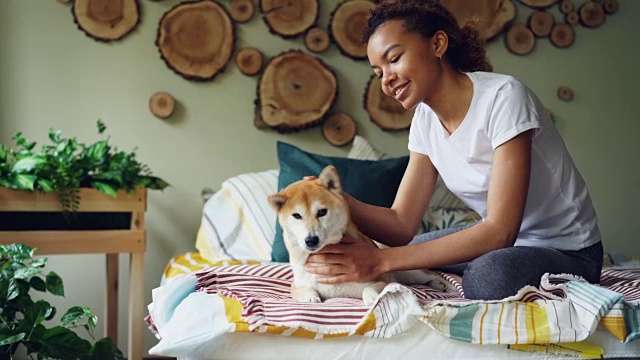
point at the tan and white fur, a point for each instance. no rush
(313, 214)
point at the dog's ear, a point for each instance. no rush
(330, 179)
(277, 200)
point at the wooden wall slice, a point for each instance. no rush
(339, 129)
(249, 60)
(384, 110)
(562, 35)
(346, 25)
(566, 6)
(520, 40)
(488, 17)
(317, 39)
(289, 18)
(105, 20)
(196, 39)
(295, 91)
(540, 22)
(591, 14)
(539, 4)
(242, 10)
(162, 104)
(611, 6)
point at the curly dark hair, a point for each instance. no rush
(465, 51)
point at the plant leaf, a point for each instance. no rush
(105, 188)
(18, 252)
(8, 339)
(24, 181)
(45, 185)
(74, 315)
(38, 284)
(54, 284)
(105, 349)
(62, 343)
(27, 163)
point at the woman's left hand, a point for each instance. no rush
(350, 260)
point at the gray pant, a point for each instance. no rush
(501, 273)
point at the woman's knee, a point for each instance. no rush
(495, 276)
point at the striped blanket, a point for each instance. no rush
(564, 309)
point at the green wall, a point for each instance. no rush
(52, 75)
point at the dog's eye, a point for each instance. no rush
(322, 212)
(297, 216)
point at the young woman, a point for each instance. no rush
(488, 137)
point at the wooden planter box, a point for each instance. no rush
(20, 207)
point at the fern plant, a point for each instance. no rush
(66, 165)
(23, 321)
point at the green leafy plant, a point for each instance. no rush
(22, 320)
(67, 165)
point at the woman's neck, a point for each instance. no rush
(453, 99)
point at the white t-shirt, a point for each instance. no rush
(559, 213)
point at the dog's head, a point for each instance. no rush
(312, 213)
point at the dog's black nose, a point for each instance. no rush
(311, 241)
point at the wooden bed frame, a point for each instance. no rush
(109, 242)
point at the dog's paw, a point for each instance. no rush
(308, 296)
(369, 296)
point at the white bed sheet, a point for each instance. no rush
(186, 323)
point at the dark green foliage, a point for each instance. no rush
(66, 165)
(22, 321)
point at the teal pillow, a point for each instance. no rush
(371, 181)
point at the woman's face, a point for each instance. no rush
(405, 62)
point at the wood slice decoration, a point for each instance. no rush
(565, 93)
(562, 35)
(346, 25)
(289, 18)
(106, 20)
(317, 40)
(520, 40)
(295, 91)
(611, 6)
(249, 60)
(566, 6)
(196, 39)
(572, 18)
(591, 14)
(488, 17)
(242, 10)
(385, 111)
(339, 129)
(162, 104)
(540, 22)
(539, 4)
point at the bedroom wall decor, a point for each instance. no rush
(339, 129)
(488, 17)
(346, 25)
(289, 18)
(317, 40)
(105, 20)
(565, 93)
(162, 104)
(249, 60)
(295, 92)
(242, 10)
(196, 39)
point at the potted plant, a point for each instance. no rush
(64, 167)
(23, 320)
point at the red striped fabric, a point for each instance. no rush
(264, 291)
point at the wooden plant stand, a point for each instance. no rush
(109, 242)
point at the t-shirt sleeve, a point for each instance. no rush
(516, 110)
(418, 132)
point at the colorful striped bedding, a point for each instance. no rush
(564, 309)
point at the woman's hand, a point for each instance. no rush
(350, 260)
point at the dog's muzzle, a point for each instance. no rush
(312, 242)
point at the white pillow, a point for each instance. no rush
(237, 221)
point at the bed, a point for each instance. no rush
(230, 298)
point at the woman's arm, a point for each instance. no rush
(397, 225)
(507, 197)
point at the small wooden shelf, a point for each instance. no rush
(108, 242)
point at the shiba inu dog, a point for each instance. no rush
(313, 214)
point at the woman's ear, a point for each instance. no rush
(440, 42)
